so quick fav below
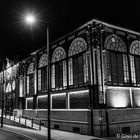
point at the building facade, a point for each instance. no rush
(94, 81)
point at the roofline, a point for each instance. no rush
(117, 27)
(98, 21)
(82, 26)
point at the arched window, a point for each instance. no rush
(78, 62)
(135, 62)
(30, 79)
(117, 64)
(58, 73)
(42, 73)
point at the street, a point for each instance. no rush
(5, 135)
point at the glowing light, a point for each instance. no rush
(119, 101)
(8, 88)
(43, 96)
(59, 94)
(81, 91)
(30, 18)
(21, 88)
(118, 98)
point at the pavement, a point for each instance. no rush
(6, 135)
(42, 135)
(36, 134)
(20, 133)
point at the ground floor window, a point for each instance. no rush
(42, 102)
(118, 98)
(29, 103)
(79, 100)
(59, 101)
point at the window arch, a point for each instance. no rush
(30, 68)
(135, 47)
(117, 63)
(43, 61)
(135, 62)
(78, 62)
(30, 79)
(42, 72)
(58, 71)
(78, 45)
(114, 42)
(58, 54)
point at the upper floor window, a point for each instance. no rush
(30, 79)
(117, 64)
(135, 62)
(42, 73)
(58, 71)
(78, 62)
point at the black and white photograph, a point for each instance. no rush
(69, 70)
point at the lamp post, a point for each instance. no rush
(30, 19)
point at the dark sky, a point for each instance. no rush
(63, 17)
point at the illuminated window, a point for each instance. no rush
(78, 62)
(70, 72)
(30, 79)
(27, 84)
(21, 88)
(42, 73)
(117, 64)
(118, 98)
(39, 80)
(133, 73)
(53, 76)
(135, 62)
(125, 68)
(59, 73)
(8, 88)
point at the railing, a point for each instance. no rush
(28, 121)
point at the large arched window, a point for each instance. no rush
(42, 73)
(117, 64)
(30, 79)
(135, 62)
(58, 72)
(78, 62)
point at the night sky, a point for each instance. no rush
(63, 16)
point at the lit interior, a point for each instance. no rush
(118, 98)
(21, 88)
(8, 88)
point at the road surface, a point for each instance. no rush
(5, 135)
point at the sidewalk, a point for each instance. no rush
(6, 135)
(42, 135)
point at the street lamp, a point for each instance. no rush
(31, 19)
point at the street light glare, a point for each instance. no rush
(30, 19)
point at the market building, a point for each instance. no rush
(94, 81)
